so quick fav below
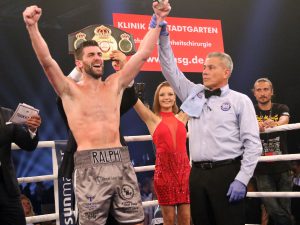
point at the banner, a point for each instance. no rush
(65, 190)
(191, 39)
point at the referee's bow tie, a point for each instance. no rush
(208, 93)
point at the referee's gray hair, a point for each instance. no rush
(224, 57)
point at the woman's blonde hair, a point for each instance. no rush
(24, 197)
(156, 105)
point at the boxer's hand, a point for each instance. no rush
(31, 15)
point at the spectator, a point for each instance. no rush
(273, 176)
(27, 207)
(296, 187)
(149, 211)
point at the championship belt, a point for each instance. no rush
(108, 37)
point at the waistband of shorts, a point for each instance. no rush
(104, 156)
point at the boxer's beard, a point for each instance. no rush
(90, 70)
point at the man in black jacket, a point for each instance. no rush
(11, 210)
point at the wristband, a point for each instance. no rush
(164, 31)
(153, 21)
(162, 24)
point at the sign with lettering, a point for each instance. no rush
(65, 190)
(191, 39)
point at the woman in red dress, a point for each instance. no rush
(172, 167)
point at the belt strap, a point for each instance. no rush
(213, 164)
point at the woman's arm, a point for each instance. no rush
(149, 118)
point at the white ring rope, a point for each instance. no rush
(144, 168)
(150, 203)
(138, 138)
(51, 144)
(42, 218)
(291, 126)
(286, 157)
(274, 194)
(36, 178)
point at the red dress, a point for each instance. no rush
(172, 167)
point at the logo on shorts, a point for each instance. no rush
(225, 106)
(126, 192)
(93, 215)
(106, 156)
(90, 198)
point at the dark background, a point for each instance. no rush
(262, 36)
